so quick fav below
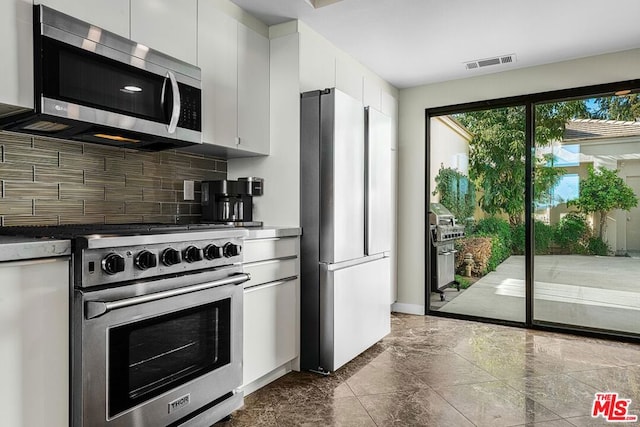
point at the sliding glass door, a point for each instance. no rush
(547, 189)
(587, 220)
(477, 168)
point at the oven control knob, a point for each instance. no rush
(192, 254)
(145, 260)
(231, 250)
(170, 257)
(113, 263)
(212, 252)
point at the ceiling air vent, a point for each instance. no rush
(487, 62)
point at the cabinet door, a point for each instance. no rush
(34, 338)
(270, 328)
(253, 91)
(112, 15)
(168, 26)
(379, 202)
(16, 45)
(218, 60)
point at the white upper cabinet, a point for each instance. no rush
(235, 83)
(112, 15)
(372, 94)
(218, 60)
(168, 26)
(349, 78)
(317, 63)
(253, 91)
(16, 45)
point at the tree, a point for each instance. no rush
(625, 108)
(497, 153)
(601, 192)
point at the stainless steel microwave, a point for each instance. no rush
(95, 86)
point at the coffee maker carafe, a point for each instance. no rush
(231, 202)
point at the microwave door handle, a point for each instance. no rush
(175, 110)
(95, 309)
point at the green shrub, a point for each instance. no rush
(543, 236)
(596, 246)
(499, 231)
(572, 233)
(494, 226)
(517, 244)
(463, 281)
(499, 252)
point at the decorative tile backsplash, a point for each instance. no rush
(50, 182)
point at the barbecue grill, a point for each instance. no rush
(444, 232)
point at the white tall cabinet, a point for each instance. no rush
(253, 91)
(34, 342)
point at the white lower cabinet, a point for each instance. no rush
(271, 310)
(270, 333)
(34, 343)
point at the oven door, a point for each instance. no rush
(153, 355)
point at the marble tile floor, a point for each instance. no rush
(432, 371)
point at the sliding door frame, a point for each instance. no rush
(529, 102)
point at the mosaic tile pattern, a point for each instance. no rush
(434, 372)
(47, 181)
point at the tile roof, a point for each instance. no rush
(599, 129)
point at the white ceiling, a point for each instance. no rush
(414, 42)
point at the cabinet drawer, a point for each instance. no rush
(270, 271)
(263, 249)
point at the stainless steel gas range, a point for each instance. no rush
(156, 324)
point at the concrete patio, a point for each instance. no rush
(591, 291)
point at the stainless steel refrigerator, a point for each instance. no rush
(345, 197)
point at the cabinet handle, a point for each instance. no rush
(269, 284)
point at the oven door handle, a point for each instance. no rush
(95, 309)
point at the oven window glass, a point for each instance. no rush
(82, 77)
(149, 357)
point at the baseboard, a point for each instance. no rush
(400, 307)
(266, 379)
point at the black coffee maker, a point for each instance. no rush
(231, 202)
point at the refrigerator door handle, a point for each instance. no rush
(354, 262)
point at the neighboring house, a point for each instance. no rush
(608, 143)
(449, 147)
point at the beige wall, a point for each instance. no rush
(581, 72)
